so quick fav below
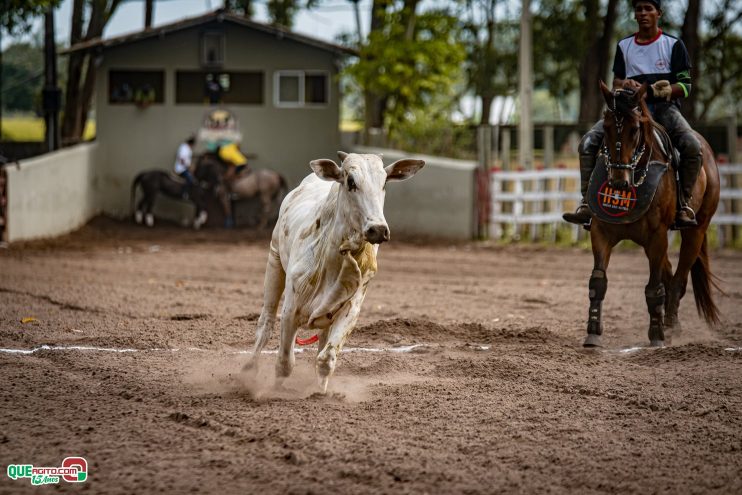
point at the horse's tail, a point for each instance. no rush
(703, 282)
(134, 185)
(283, 190)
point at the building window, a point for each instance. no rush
(142, 87)
(212, 49)
(242, 88)
(297, 88)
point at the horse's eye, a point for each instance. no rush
(351, 184)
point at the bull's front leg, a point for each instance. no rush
(289, 329)
(337, 335)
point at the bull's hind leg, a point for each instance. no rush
(654, 292)
(275, 280)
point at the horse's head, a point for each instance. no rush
(628, 129)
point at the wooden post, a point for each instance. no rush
(525, 88)
(733, 182)
(548, 146)
(506, 148)
(484, 149)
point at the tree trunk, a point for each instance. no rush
(374, 104)
(78, 98)
(595, 62)
(486, 109)
(692, 42)
(149, 8)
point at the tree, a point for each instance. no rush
(491, 53)
(721, 60)
(23, 77)
(16, 15)
(598, 37)
(412, 60)
(81, 65)
(558, 26)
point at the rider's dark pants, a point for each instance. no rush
(681, 134)
(186, 174)
(686, 142)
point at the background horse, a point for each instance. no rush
(630, 143)
(269, 186)
(154, 182)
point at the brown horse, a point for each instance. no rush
(630, 144)
(269, 186)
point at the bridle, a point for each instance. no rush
(636, 157)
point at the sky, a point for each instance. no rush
(330, 19)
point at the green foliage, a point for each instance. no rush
(23, 77)
(411, 73)
(558, 44)
(283, 12)
(491, 50)
(16, 15)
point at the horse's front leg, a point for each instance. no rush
(654, 292)
(598, 284)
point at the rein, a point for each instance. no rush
(636, 157)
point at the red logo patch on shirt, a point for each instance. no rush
(661, 64)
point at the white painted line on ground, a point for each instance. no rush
(297, 350)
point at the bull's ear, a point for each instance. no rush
(327, 169)
(403, 169)
(342, 155)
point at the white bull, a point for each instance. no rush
(323, 255)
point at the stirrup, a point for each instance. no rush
(576, 217)
(690, 210)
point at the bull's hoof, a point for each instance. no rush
(323, 381)
(592, 340)
(656, 343)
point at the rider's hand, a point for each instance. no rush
(631, 84)
(662, 90)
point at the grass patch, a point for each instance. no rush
(26, 128)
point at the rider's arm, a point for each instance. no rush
(680, 67)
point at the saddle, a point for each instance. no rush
(177, 178)
(620, 206)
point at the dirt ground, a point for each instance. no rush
(498, 397)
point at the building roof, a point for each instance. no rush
(216, 15)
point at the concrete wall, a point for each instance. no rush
(284, 139)
(439, 201)
(52, 194)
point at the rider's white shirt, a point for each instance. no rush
(183, 159)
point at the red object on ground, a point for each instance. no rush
(310, 340)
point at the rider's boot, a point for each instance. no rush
(689, 169)
(582, 214)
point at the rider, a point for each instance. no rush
(183, 163)
(653, 57)
(233, 157)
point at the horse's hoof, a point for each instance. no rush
(656, 343)
(592, 340)
(149, 219)
(138, 216)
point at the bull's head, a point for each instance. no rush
(362, 180)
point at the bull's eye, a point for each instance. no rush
(352, 184)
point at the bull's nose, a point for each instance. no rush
(376, 234)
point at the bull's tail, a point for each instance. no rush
(703, 283)
(134, 185)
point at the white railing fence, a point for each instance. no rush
(530, 204)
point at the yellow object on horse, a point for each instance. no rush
(231, 154)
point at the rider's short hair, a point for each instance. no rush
(657, 3)
(191, 139)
